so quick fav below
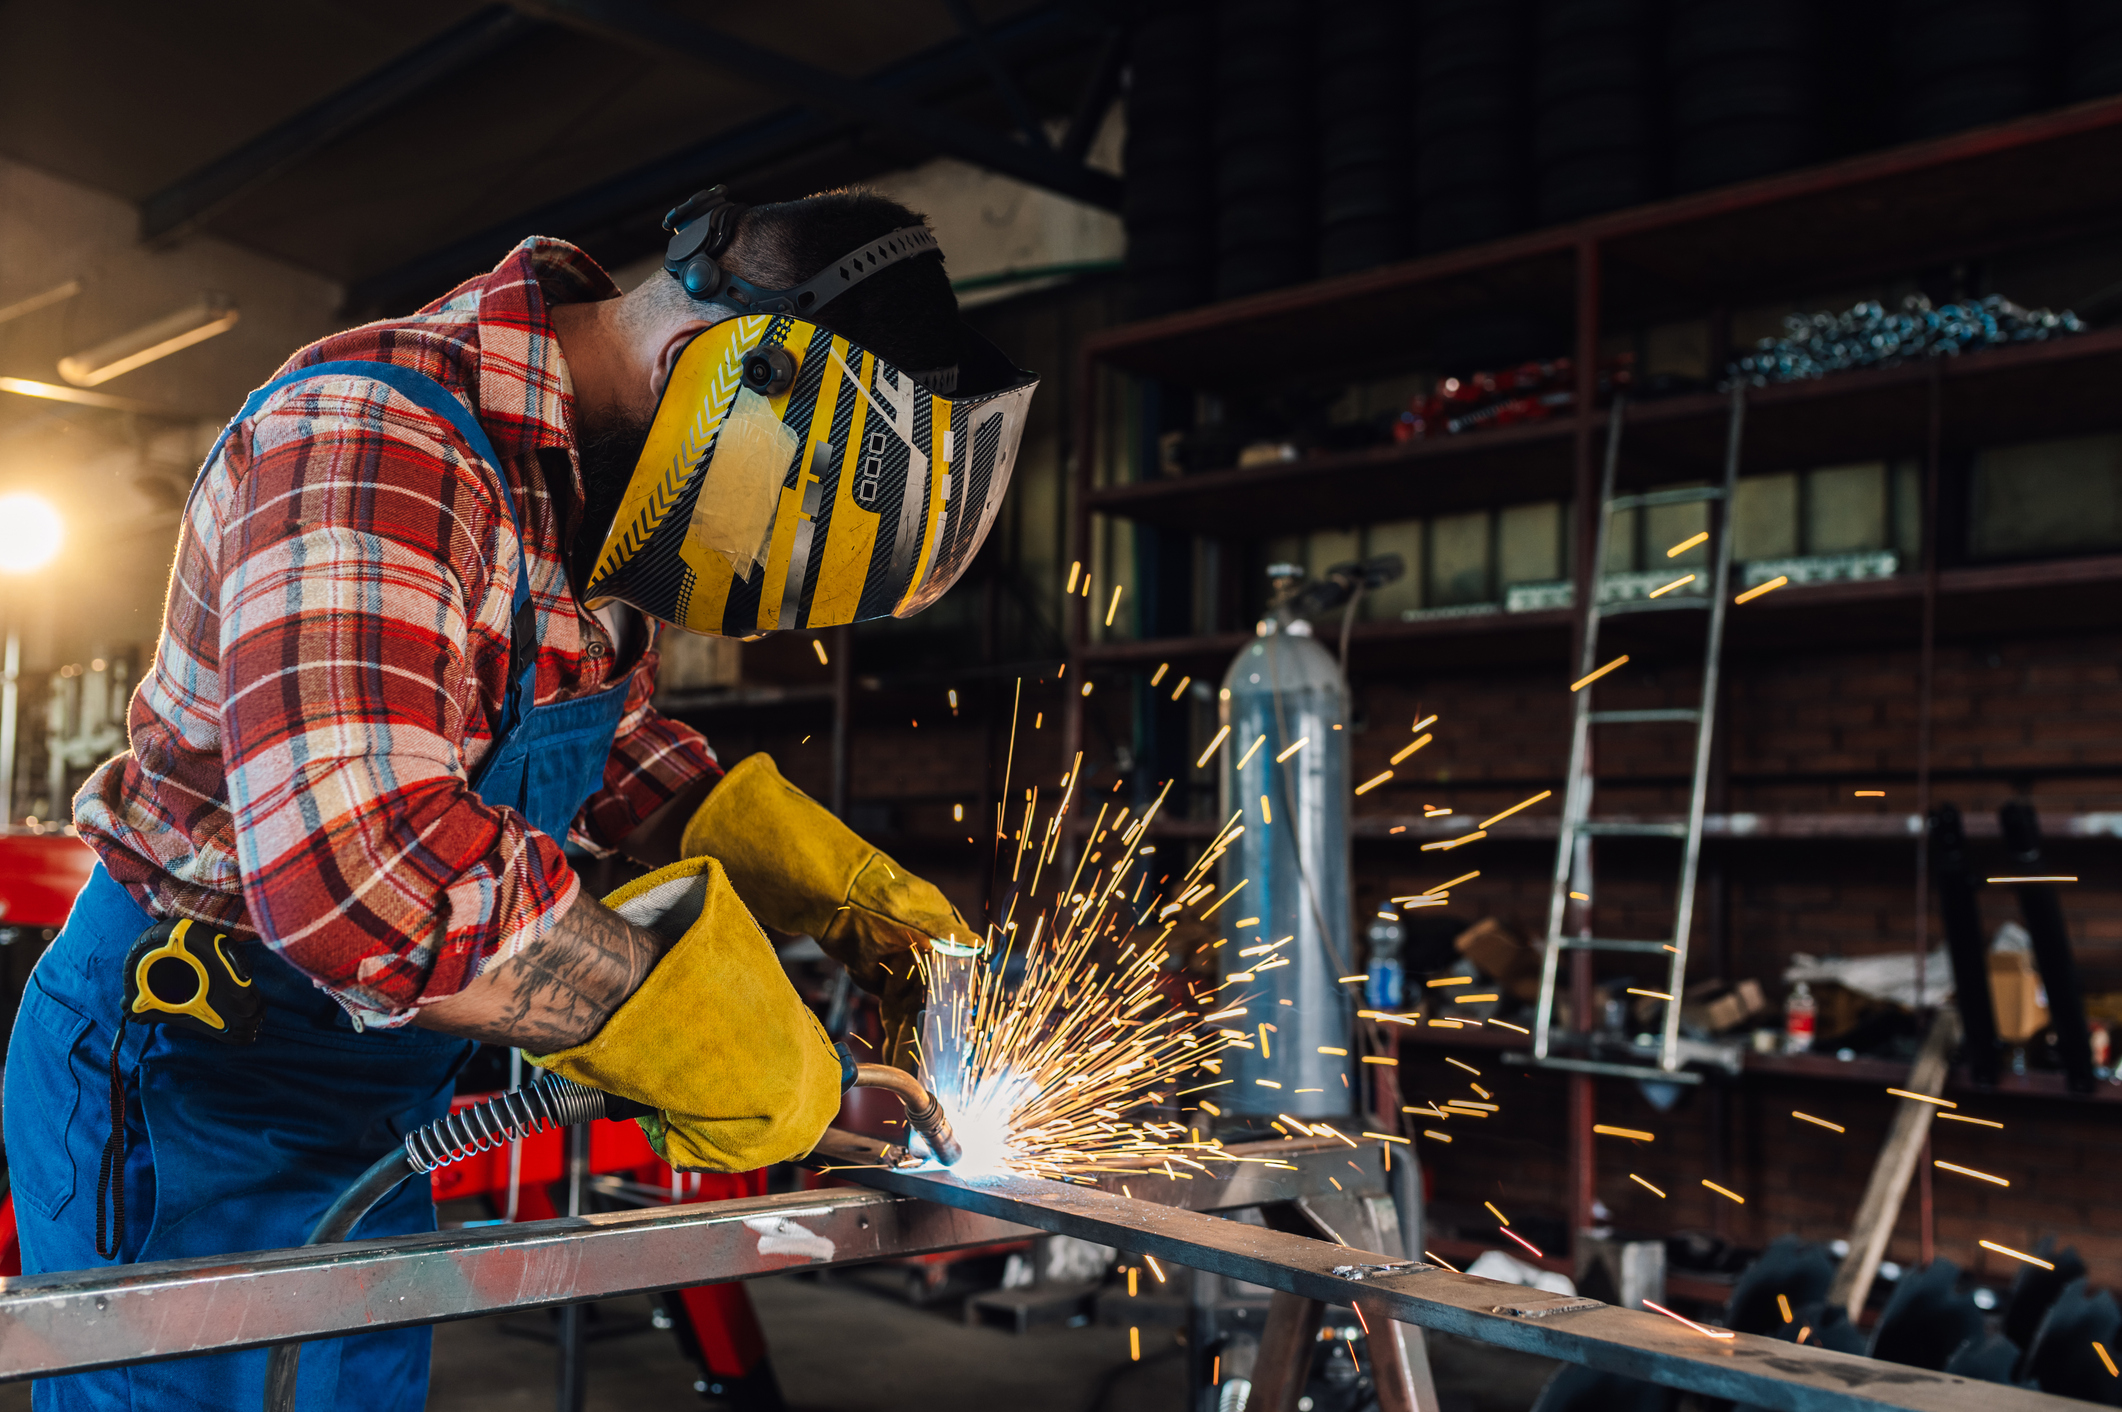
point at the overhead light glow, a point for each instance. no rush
(30, 533)
(213, 314)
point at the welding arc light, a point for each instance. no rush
(30, 533)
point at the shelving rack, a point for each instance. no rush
(2018, 185)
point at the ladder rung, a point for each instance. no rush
(1594, 1066)
(1610, 828)
(1686, 495)
(1642, 718)
(1598, 943)
(1666, 604)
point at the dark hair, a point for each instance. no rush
(906, 315)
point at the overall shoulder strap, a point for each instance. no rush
(419, 388)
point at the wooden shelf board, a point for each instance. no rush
(1992, 396)
(1821, 1068)
(2018, 182)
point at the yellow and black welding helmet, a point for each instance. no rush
(794, 480)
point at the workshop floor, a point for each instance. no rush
(840, 1346)
(844, 1347)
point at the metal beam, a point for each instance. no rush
(1744, 1368)
(166, 1309)
(998, 75)
(180, 207)
(650, 189)
(1098, 95)
(646, 26)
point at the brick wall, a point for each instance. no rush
(2037, 718)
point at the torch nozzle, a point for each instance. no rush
(923, 1111)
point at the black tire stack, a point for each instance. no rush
(1469, 122)
(2093, 52)
(1170, 194)
(1364, 116)
(1963, 63)
(1595, 77)
(1266, 206)
(1744, 88)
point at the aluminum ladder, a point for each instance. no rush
(1568, 916)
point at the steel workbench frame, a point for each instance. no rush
(88, 1319)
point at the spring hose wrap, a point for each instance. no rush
(550, 1102)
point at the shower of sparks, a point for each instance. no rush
(1582, 682)
(1411, 747)
(2016, 1254)
(1636, 1133)
(1676, 583)
(1922, 1098)
(1522, 804)
(1818, 1122)
(1970, 1172)
(1646, 1186)
(1079, 1067)
(1538, 1254)
(1699, 537)
(1210, 753)
(1698, 1328)
(1779, 581)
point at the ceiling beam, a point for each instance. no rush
(647, 27)
(182, 206)
(1098, 96)
(998, 74)
(645, 192)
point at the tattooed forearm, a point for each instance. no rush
(559, 990)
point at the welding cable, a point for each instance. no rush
(923, 1111)
(550, 1102)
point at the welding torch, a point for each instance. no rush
(551, 1101)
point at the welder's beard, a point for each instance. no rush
(609, 454)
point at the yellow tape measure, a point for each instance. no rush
(182, 973)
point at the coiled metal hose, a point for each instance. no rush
(549, 1102)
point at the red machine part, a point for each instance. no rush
(39, 875)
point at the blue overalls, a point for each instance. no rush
(234, 1148)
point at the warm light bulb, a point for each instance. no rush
(30, 533)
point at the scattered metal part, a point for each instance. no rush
(1541, 1311)
(1868, 335)
(1394, 1267)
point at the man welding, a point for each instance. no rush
(408, 650)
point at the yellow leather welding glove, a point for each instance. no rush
(801, 870)
(740, 1072)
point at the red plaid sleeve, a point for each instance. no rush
(653, 757)
(357, 590)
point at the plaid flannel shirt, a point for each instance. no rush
(335, 648)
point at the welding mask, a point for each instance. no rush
(794, 480)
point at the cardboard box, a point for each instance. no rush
(2015, 992)
(1713, 1008)
(1503, 955)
